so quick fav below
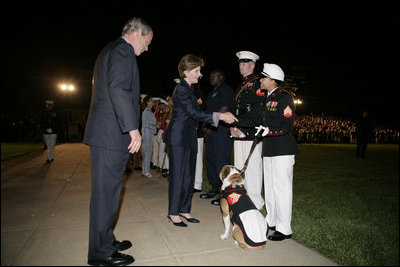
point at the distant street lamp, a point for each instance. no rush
(67, 87)
(67, 90)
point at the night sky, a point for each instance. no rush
(345, 55)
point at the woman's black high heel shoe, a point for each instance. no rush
(191, 220)
(181, 224)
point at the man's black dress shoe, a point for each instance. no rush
(122, 245)
(278, 236)
(196, 190)
(207, 195)
(48, 161)
(181, 224)
(191, 220)
(116, 259)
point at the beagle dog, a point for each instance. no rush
(250, 229)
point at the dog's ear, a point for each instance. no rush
(235, 178)
(224, 172)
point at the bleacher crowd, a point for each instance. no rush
(324, 129)
(311, 128)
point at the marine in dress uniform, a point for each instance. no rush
(248, 100)
(198, 180)
(50, 126)
(279, 149)
(218, 143)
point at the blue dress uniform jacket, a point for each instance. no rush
(219, 144)
(186, 114)
(278, 115)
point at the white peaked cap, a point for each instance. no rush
(162, 101)
(272, 71)
(247, 56)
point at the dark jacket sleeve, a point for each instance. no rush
(123, 87)
(190, 106)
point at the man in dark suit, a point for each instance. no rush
(112, 131)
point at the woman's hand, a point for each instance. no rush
(227, 117)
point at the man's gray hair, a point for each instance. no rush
(137, 23)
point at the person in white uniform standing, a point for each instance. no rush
(247, 106)
(279, 149)
(50, 126)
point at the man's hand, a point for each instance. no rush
(136, 141)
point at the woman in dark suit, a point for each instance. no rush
(181, 139)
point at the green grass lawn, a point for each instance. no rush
(347, 207)
(13, 150)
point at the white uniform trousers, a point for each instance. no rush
(163, 160)
(154, 155)
(278, 187)
(50, 140)
(254, 171)
(198, 179)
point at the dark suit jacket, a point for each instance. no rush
(186, 114)
(115, 104)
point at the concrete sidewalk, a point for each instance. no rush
(45, 220)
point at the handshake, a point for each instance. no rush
(227, 117)
(262, 128)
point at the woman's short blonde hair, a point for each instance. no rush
(189, 62)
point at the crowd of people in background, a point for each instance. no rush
(325, 129)
(313, 128)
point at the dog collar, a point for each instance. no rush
(234, 186)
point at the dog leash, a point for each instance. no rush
(253, 145)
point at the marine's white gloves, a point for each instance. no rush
(262, 128)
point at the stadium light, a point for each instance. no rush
(67, 87)
(298, 102)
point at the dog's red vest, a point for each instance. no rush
(240, 202)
